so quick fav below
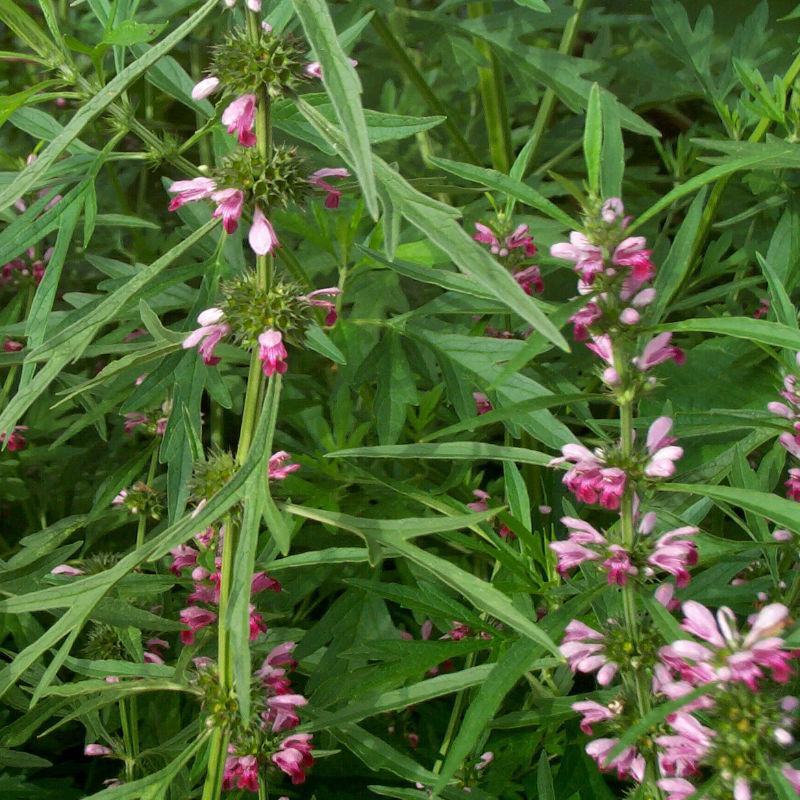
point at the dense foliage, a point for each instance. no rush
(399, 399)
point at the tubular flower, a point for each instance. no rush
(295, 757)
(278, 468)
(196, 619)
(673, 553)
(229, 207)
(212, 330)
(660, 447)
(628, 764)
(332, 194)
(205, 88)
(272, 353)
(657, 351)
(320, 298)
(190, 191)
(582, 647)
(574, 551)
(587, 257)
(240, 118)
(97, 750)
(683, 751)
(592, 713)
(530, 280)
(482, 403)
(589, 479)
(15, 440)
(281, 711)
(262, 236)
(241, 772)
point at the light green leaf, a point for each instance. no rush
(593, 140)
(455, 451)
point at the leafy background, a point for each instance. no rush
(456, 100)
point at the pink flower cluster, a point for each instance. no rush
(594, 480)
(15, 440)
(207, 590)
(19, 270)
(722, 658)
(672, 552)
(515, 246)
(294, 754)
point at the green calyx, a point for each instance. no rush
(277, 182)
(274, 62)
(252, 309)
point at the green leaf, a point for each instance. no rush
(678, 261)
(781, 303)
(784, 512)
(502, 678)
(593, 140)
(612, 160)
(492, 179)
(344, 88)
(396, 389)
(130, 32)
(319, 341)
(754, 330)
(456, 451)
(26, 28)
(534, 5)
(99, 102)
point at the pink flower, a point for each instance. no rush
(66, 569)
(676, 788)
(588, 257)
(658, 350)
(682, 753)
(521, 238)
(314, 68)
(530, 279)
(674, 554)
(241, 772)
(582, 647)
(571, 554)
(589, 479)
(321, 299)
(211, 331)
(240, 117)
(592, 714)
(485, 759)
(196, 618)
(618, 565)
(257, 624)
(792, 775)
(611, 210)
(97, 750)
(205, 88)
(482, 404)
(14, 441)
(294, 757)
(153, 653)
(277, 470)
(481, 501)
(272, 353)
(262, 236)
(485, 235)
(793, 485)
(272, 673)
(229, 206)
(663, 454)
(631, 252)
(732, 656)
(190, 191)
(261, 582)
(281, 711)
(629, 763)
(317, 180)
(10, 346)
(582, 320)
(183, 556)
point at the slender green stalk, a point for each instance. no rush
(421, 85)
(549, 97)
(250, 412)
(493, 95)
(151, 473)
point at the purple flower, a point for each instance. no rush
(272, 353)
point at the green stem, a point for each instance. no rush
(255, 381)
(493, 95)
(549, 97)
(151, 473)
(416, 78)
